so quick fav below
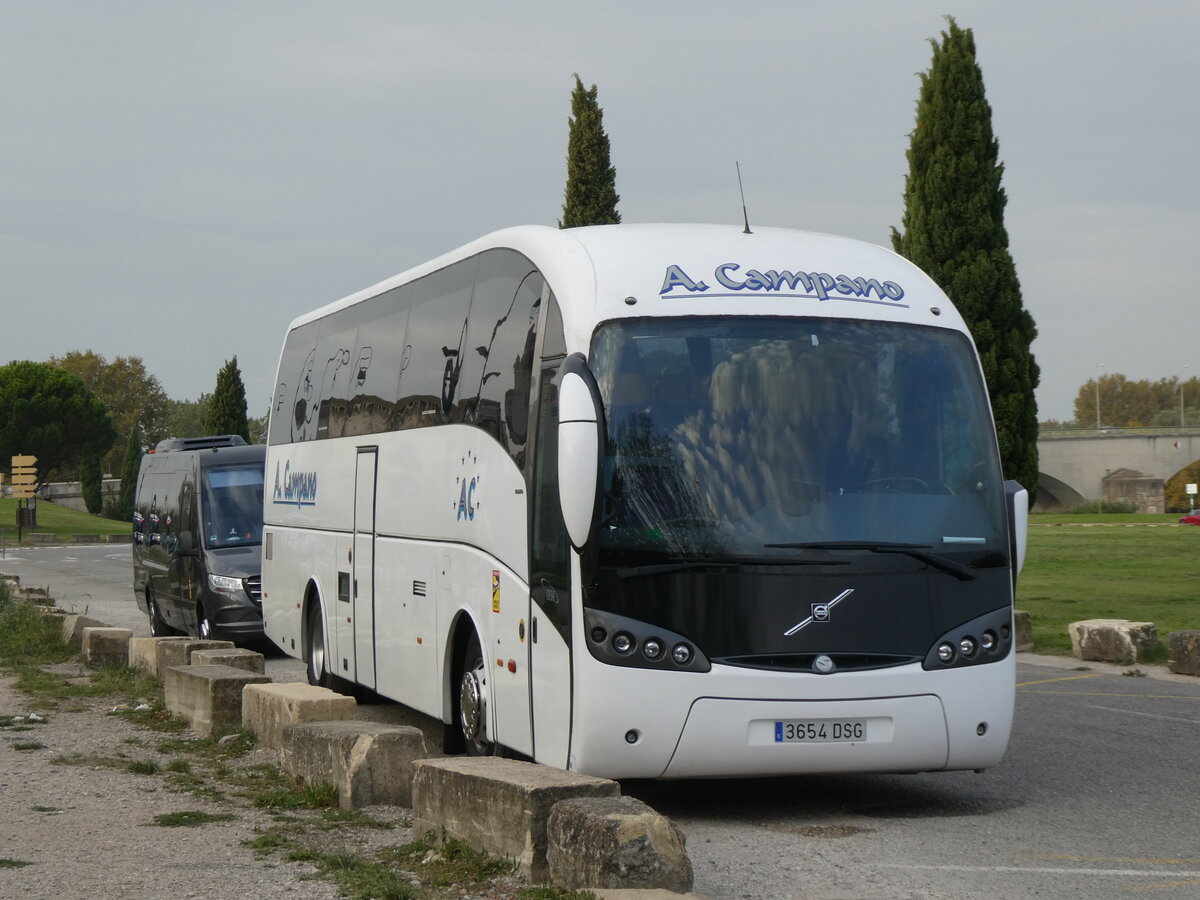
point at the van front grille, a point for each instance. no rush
(254, 589)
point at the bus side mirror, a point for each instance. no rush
(580, 445)
(1017, 500)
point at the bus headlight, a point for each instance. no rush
(945, 652)
(682, 654)
(652, 648)
(988, 641)
(967, 647)
(623, 642)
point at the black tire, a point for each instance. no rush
(314, 655)
(158, 626)
(471, 706)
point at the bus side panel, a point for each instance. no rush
(293, 562)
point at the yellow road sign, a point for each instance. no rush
(23, 492)
(23, 478)
(24, 460)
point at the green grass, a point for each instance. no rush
(58, 520)
(1100, 570)
(191, 819)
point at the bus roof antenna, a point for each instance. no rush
(745, 217)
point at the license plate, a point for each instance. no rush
(820, 731)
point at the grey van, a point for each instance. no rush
(197, 537)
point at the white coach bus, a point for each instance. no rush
(652, 501)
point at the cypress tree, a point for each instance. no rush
(953, 228)
(227, 408)
(90, 484)
(129, 473)
(591, 194)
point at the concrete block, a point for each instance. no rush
(369, 762)
(238, 657)
(209, 697)
(39, 596)
(41, 537)
(397, 714)
(1023, 623)
(85, 539)
(497, 805)
(105, 646)
(1183, 652)
(1112, 640)
(615, 842)
(72, 628)
(143, 653)
(269, 708)
(119, 538)
(179, 653)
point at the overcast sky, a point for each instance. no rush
(179, 180)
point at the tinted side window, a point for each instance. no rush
(437, 334)
(504, 314)
(379, 356)
(294, 394)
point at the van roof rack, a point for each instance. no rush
(207, 442)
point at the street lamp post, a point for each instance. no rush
(1181, 399)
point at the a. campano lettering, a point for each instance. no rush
(294, 488)
(810, 285)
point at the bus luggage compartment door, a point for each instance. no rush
(724, 737)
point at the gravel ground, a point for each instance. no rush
(87, 830)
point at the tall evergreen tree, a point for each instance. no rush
(129, 473)
(591, 194)
(227, 408)
(91, 484)
(953, 228)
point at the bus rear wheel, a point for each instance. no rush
(473, 701)
(318, 674)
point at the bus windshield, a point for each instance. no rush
(233, 506)
(739, 438)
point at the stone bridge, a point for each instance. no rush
(1113, 464)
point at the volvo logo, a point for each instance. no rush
(820, 613)
(823, 665)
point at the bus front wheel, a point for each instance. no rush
(473, 701)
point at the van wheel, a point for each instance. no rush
(205, 629)
(473, 701)
(158, 627)
(318, 673)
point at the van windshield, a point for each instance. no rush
(232, 507)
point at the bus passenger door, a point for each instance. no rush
(550, 591)
(363, 569)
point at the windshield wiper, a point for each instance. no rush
(922, 552)
(686, 565)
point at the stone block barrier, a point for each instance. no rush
(269, 708)
(209, 697)
(73, 625)
(1112, 640)
(1023, 631)
(1183, 652)
(501, 806)
(369, 762)
(170, 653)
(238, 657)
(104, 647)
(143, 653)
(615, 842)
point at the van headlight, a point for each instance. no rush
(225, 584)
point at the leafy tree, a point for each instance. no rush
(181, 418)
(47, 412)
(131, 394)
(591, 194)
(1114, 400)
(91, 485)
(227, 409)
(129, 473)
(953, 228)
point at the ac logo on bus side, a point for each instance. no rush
(468, 489)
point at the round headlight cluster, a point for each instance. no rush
(967, 647)
(623, 643)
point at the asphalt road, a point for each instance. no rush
(1097, 797)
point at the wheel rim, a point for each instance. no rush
(205, 626)
(316, 652)
(152, 609)
(472, 705)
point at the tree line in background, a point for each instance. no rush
(1114, 401)
(83, 411)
